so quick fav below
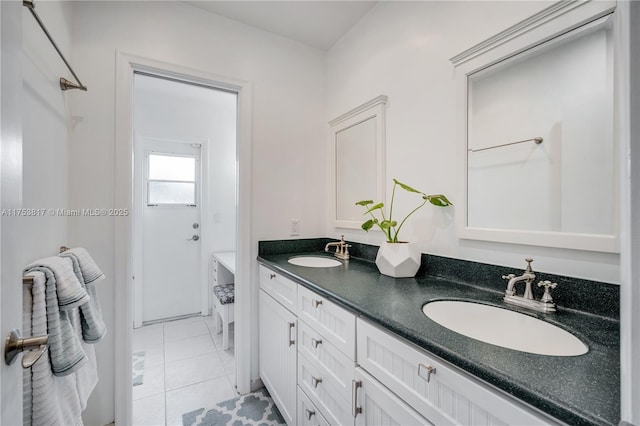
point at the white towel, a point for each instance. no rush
(66, 353)
(88, 273)
(51, 400)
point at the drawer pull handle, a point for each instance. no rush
(272, 276)
(309, 413)
(429, 370)
(315, 342)
(291, 341)
(355, 409)
(316, 303)
(316, 381)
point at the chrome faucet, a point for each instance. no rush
(545, 304)
(342, 248)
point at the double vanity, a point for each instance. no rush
(342, 344)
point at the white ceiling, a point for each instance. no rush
(316, 23)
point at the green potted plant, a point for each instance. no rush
(397, 258)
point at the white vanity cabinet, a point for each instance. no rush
(278, 348)
(324, 366)
(438, 391)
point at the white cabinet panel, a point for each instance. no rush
(323, 394)
(308, 414)
(376, 405)
(446, 396)
(278, 355)
(336, 324)
(327, 359)
(280, 288)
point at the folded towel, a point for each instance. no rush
(69, 291)
(63, 292)
(89, 269)
(50, 400)
(88, 273)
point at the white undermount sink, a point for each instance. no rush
(314, 261)
(502, 327)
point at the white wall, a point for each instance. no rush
(46, 128)
(287, 81)
(402, 50)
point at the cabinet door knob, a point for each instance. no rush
(315, 342)
(316, 303)
(272, 276)
(309, 413)
(428, 369)
(316, 381)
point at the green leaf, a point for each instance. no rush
(386, 224)
(438, 200)
(364, 203)
(376, 207)
(406, 187)
(368, 225)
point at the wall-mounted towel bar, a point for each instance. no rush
(64, 83)
(537, 140)
(28, 279)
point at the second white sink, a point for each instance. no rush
(314, 261)
(502, 327)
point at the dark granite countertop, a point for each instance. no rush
(576, 390)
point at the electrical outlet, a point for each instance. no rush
(295, 227)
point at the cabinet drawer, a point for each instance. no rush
(377, 405)
(280, 288)
(334, 323)
(323, 394)
(308, 414)
(446, 395)
(331, 363)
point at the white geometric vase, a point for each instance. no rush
(398, 260)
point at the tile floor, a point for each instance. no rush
(185, 369)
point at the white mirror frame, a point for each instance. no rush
(375, 108)
(551, 22)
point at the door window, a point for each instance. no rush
(171, 180)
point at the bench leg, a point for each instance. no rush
(225, 327)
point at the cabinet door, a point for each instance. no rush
(278, 355)
(374, 404)
(437, 390)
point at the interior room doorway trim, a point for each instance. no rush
(126, 65)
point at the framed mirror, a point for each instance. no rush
(537, 108)
(357, 148)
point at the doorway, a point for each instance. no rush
(184, 209)
(168, 187)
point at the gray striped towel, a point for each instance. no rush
(48, 401)
(63, 292)
(88, 273)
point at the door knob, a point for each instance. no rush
(15, 343)
(194, 238)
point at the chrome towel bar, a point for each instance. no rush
(64, 83)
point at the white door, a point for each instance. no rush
(11, 260)
(171, 230)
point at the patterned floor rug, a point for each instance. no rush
(138, 368)
(254, 409)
